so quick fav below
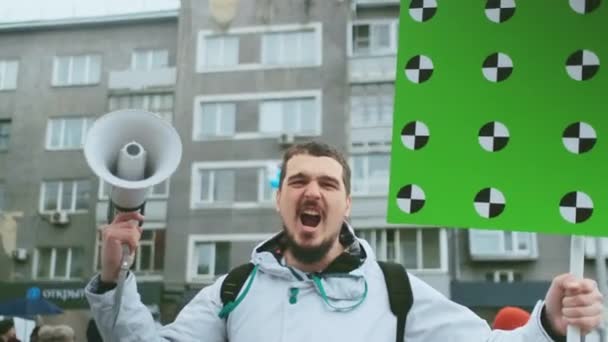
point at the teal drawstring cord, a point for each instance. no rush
(228, 307)
(317, 281)
(293, 295)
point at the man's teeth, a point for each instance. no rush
(311, 212)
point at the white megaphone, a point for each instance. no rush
(132, 150)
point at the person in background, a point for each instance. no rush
(34, 334)
(7, 331)
(56, 333)
(93, 334)
(510, 318)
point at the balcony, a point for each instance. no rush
(372, 68)
(156, 213)
(590, 246)
(369, 137)
(369, 211)
(142, 79)
(496, 245)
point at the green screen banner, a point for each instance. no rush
(500, 116)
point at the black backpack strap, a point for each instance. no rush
(400, 294)
(234, 281)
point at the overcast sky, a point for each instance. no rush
(27, 10)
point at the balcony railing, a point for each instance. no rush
(376, 3)
(142, 79)
(372, 68)
(156, 212)
(371, 136)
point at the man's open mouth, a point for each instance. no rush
(310, 218)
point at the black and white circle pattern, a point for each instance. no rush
(411, 198)
(500, 11)
(423, 10)
(489, 202)
(497, 67)
(415, 135)
(579, 137)
(584, 6)
(493, 136)
(419, 69)
(576, 207)
(582, 65)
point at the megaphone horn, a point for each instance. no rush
(132, 150)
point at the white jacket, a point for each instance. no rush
(266, 314)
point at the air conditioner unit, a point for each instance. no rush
(20, 254)
(59, 218)
(286, 139)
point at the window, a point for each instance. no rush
(591, 247)
(216, 120)
(372, 105)
(77, 70)
(5, 134)
(220, 186)
(220, 51)
(374, 38)
(161, 104)
(289, 48)
(144, 60)
(503, 276)
(160, 190)
(3, 201)
(58, 263)
(296, 116)
(211, 258)
(233, 184)
(67, 133)
(370, 173)
(260, 47)
(495, 244)
(212, 255)
(8, 74)
(150, 253)
(257, 115)
(418, 249)
(65, 195)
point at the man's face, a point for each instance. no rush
(313, 203)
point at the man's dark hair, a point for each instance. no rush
(316, 149)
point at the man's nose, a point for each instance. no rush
(313, 190)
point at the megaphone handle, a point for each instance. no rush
(125, 263)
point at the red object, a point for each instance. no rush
(510, 318)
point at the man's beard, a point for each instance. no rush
(307, 255)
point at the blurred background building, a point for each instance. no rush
(240, 81)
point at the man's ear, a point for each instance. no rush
(348, 206)
(277, 199)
